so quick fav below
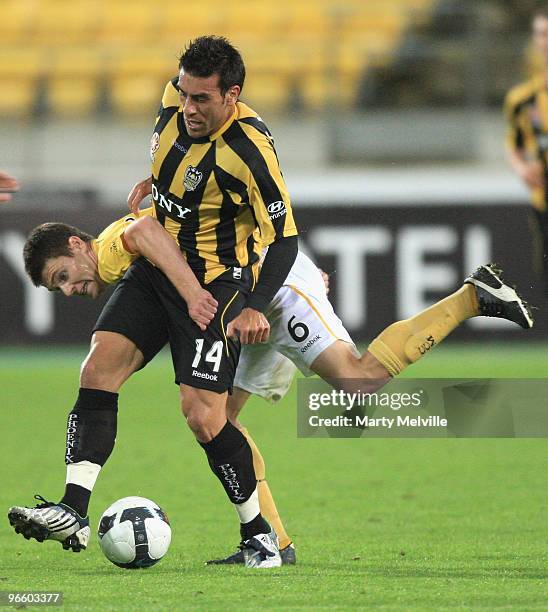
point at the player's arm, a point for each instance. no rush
(271, 205)
(276, 266)
(139, 192)
(148, 238)
(530, 171)
(8, 185)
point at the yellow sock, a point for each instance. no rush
(266, 501)
(270, 512)
(405, 342)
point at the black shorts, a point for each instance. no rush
(148, 310)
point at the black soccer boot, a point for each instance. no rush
(288, 555)
(497, 299)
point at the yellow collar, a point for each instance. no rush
(225, 125)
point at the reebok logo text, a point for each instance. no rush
(310, 343)
(204, 375)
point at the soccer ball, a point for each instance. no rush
(134, 532)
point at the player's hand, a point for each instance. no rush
(250, 326)
(7, 185)
(140, 191)
(532, 173)
(325, 277)
(202, 307)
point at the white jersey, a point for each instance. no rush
(304, 273)
(302, 325)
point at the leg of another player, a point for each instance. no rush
(91, 427)
(235, 403)
(228, 452)
(398, 346)
(342, 367)
(405, 342)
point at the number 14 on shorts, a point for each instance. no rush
(214, 355)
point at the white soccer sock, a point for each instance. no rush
(249, 509)
(83, 474)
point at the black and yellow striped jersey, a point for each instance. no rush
(211, 194)
(526, 109)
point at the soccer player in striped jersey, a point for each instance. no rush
(67, 259)
(304, 330)
(248, 177)
(526, 110)
(215, 179)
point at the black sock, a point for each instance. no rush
(91, 427)
(77, 498)
(91, 432)
(254, 527)
(231, 460)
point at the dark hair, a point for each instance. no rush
(45, 242)
(209, 55)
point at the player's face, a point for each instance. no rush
(205, 110)
(540, 35)
(76, 274)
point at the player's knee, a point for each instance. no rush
(92, 372)
(198, 423)
(96, 370)
(338, 362)
(107, 369)
(204, 418)
(202, 423)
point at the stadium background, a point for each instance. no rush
(388, 123)
(387, 118)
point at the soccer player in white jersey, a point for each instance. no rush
(306, 333)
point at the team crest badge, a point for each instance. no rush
(154, 145)
(192, 178)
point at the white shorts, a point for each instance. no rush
(302, 325)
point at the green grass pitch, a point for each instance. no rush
(397, 524)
